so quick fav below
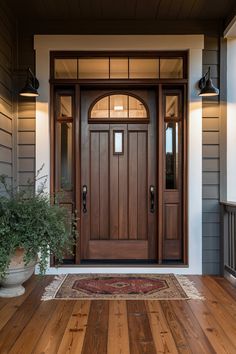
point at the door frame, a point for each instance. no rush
(123, 84)
(142, 84)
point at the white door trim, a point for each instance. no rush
(43, 44)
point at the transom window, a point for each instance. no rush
(118, 68)
(118, 106)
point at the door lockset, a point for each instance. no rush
(152, 199)
(84, 198)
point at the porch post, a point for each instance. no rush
(195, 163)
(231, 119)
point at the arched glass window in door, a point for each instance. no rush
(119, 107)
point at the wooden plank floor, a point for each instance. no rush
(28, 325)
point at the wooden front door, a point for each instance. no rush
(118, 175)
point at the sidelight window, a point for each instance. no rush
(63, 153)
(64, 141)
(172, 140)
(65, 107)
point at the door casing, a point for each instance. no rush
(182, 84)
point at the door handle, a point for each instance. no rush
(84, 198)
(152, 199)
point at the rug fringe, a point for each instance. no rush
(189, 288)
(52, 288)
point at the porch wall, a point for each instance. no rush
(24, 137)
(26, 115)
(7, 123)
(211, 163)
(211, 225)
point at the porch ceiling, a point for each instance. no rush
(123, 9)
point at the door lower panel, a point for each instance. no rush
(118, 249)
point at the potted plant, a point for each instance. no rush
(31, 228)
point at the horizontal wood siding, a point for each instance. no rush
(26, 116)
(211, 164)
(7, 43)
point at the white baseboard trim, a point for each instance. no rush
(126, 270)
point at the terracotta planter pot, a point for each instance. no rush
(16, 275)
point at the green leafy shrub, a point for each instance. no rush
(28, 220)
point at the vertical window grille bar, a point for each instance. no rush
(229, 238)
(232, 240)
(225, 235)
(128, 105)
(128, 68)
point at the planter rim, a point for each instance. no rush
(18, 270)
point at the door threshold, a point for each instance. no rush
(124, 264)
(121, 269)
(117, 262)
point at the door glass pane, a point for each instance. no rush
(101, 108)
(118, 106)
(171, 105)
(171, 68)
(118, 142)
(66, 155)
(136, 108)
(65, 106)
(143, 68)
(171, 150)
(65, 69)
(119, 68)
(94, 68)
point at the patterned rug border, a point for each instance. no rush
(188, 287)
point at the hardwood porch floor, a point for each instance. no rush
(28, 325)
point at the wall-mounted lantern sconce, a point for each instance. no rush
(31, 85)
(206, 86)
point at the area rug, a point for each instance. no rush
(121, 287)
